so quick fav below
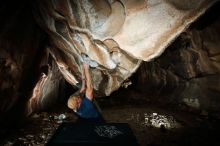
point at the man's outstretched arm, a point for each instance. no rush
(89, 86)
(83, 87)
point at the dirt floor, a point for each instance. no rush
(153, 125)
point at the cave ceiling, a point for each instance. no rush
(116, 34)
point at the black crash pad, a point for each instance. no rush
(93, 134)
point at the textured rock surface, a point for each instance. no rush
(189, 70)
(113, 33)
(23, 61)
(20, 40)
(118, 35)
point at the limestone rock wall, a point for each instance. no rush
(29, 77)
(118, 35)
(41, 43)
(189, 70)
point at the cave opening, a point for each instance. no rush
(171, 99)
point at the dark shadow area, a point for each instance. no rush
(208, 18)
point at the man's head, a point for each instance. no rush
(74, 101)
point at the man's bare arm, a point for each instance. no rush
(83, 87)
(89, 86)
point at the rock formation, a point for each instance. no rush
(188, 71)
(118, 35)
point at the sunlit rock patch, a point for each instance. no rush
(160, 121)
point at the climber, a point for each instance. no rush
(82, 102)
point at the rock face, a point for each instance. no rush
(188, 71)
(29, 77)
(20, 40)
(118, 35)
